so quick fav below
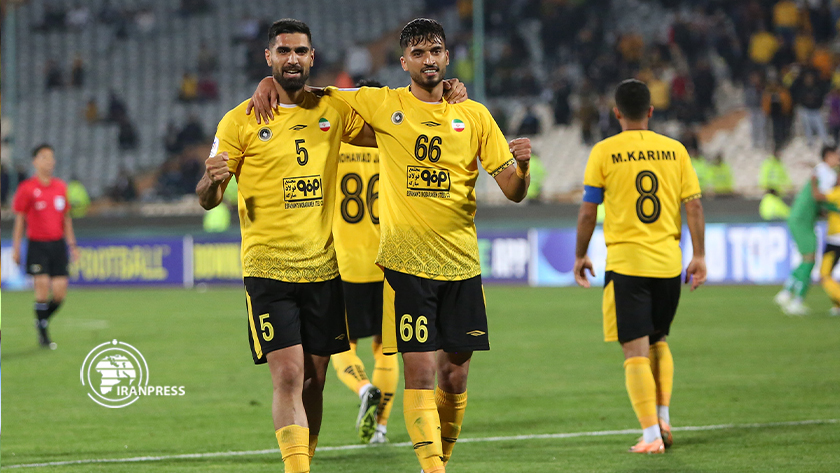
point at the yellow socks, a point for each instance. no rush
(662, 366)
(294, 446)
(350, 369)
(642, 389)
(451, 409)
(423, 424)
(313, 442)
(386, 375)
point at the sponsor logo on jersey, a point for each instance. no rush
(431, 123)
(458, 125)
(324, 124)
(298, 127)
(421, 178)
(303, 191)
(397, 117)
(264, 134)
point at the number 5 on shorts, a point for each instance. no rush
(407, 331)
(267, 328)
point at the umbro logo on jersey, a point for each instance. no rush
(397, 117)
(431, 123)
(340, 337)
(298, 127)
(476, 333)
(264, 134)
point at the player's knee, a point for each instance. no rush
(287, 378)
(419, 377)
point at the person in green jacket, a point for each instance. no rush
(721, 176)
(78, 197)
(537, 179)
(773, 174)
(772, 207)
(217, 219)
(703, 170)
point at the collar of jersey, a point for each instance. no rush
(408, 91)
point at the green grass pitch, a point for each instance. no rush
(738, 361)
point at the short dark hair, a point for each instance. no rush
(368, 83)
(827, 149)
(419, 30)
(40, 147)
(632, 98)
(288, 25)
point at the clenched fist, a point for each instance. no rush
(521, 149)
(217, 168)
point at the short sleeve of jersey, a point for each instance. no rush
(365, 100)
(493, 150)
(690, 184)
(22, 200)
(353, 122)
(229, 138)
(593, 176)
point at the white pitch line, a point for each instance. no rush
(598, 433)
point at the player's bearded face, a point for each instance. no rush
(426, 63)
(290, 59)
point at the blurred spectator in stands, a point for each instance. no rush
(191, 171)
(685, 109)
(77, 74)
(773, 175)
(704, 88)
(823, 61)
(123, 189)
(208, 60)
(753, 93)
(463, 68)
(168, 182)
(530, 124)
(777, 105)
(660, 94)
(145, 20)
(500, 116)
(127, 136)
(5, 181)
(248, 29)
(763, 46)
(54, 77)
(170, 140)
(772, 207)
(808, 94)
(116, 108)
(560, 102)
(833, 103)
(109, 14)
(78, 197)
(607, 123)
(343, 80)
(632, 48)
(803, 45)
(721, 176)
(78, 17)
(194, 7)
(192, 133)
(208, 89)
(55, 18)
(786, 19)
(91, 111)
(358, 62)
(821, 21)
(588, 116)
(188, 91)
(784, 56)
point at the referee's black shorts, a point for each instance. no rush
(636, 307)
(47, 257)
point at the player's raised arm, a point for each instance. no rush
(696, 270)
(211, 187)
(514, 180)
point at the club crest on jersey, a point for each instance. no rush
(458, 125)
(59, 203)
(264, 134)
(324, 124)
(397, 117)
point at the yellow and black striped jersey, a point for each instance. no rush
(286, 175)
(642, 178)
(428, 170)
(356, 221)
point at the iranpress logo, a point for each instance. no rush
(117, 375)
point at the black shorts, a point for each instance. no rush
(283, 314)
(364, 308)
(636, 307)
(47, 257)
(831, 254)
(428, 315)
